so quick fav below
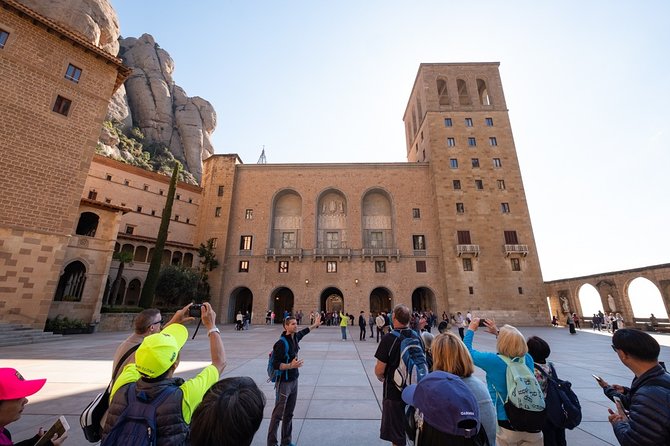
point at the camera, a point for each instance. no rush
(195, 310)
(482, 322)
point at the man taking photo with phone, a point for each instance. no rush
(643, 413)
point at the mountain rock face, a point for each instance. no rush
(149, 99)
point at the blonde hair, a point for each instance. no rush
(511, 342)
(451, 355)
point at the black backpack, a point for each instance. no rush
(563, 408)
(137, 423)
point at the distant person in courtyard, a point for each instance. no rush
(362, 324)
(229, 415)
(554, 321)
(13, 392)
(642, 415)
(571, 324)
(344, 320)
(371, 324)
(380, 320)
(653, 322)
(286, 386)
(577, 321)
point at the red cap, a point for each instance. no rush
(13, 385)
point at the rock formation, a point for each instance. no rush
(149, 99)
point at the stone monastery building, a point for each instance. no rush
(448, 230)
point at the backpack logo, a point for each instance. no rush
(413, 366)
(275, 374)
(137, 423)
(525, 406)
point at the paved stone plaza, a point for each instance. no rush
(339, 396)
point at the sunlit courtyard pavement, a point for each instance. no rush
(339, 397)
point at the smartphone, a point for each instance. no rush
(596, 377)
(482, 322)
(59, 427)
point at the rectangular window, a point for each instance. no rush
(188, 220)
(516, 264)
(146, 187)
(457, 184)
(493, 141)
(453, 163)
(217, 211)
(447, 122)
(489, 122)
(475, 163)
(244, 266)
(497, 162)
(288, 240)
(332, 239)
(471, 290)
(451, 142)
(92, 195)
(153, 212)
(176, 218)
(73, 73)
(420, 266)
(139, 209)
(468, 122)
(126, 182)
(161, 192)
(376, 239)
(178, 197)
(511, 238)
(331, 266)
(380, 266)
(215, 241)
(467, 264)
(283, 266)
(3, 38)
(62, 105)
(108, 177)
(249, 214)
(190, 200)
(220, 192)
(246, 242)
(479, 184)
(419, 242)
(463, 237)
(472, 141)
(130, 229)
(520, 290)
(460, 208)
(504, 208)
(501, 184)
(416, 213)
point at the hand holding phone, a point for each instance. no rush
(596, 377)
(60, 427)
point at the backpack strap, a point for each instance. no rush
(125, 356)
(286, 361)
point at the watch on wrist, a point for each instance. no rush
(213, 330)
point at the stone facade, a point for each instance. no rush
(45, 154)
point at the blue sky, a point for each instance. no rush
(586, 84)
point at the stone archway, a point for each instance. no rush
(423, 299)
(241, 299)
(381, 299)
(282, 300)
(332, 300)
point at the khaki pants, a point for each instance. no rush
(506, 437)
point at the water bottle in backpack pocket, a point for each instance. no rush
(525, 406)
(137, 423)
(413, 365)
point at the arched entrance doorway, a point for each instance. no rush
(380, 300)
(241, 299)
(423, 299)
(133, 293)
(282, 300)
(332, 300)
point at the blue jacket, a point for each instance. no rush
(496, 373)
(648, 405)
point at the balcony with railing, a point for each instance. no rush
(521, 250)
(291, 253)
(467, 250)
(388, 253)
(340, 253)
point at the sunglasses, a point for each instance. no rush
(157, 322)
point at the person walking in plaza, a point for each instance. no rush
(371, 324)
(511, 344)
(344, 321)
(571, 324)
(286, 385)
(380, 320)
(451, 355)
(642, 414)
(14, 390)
(362, 324)
(461, 324)
(577, 321)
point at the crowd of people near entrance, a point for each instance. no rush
(430, 394)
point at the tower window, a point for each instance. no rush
(479, 184)
(460, 208)
(451, 142)
(73, 73)
(501, 184)
(497, 162)
(283, 266)
(217, 211)
(457, 184)
(416, 213)
(516, 264)
(244, 266)
(419, 242)
(489, 122)
(331, 266)
(380, 266)
(493, 141)
(448, 122)
(468, 122)
(453, 163)
(467, 264)
(246, 242)
(249, 214)
(472, 141)
(504, 208)
(3, 38)
(220, 191)
(62, 105)
(463, 237)
(475, 162)
(420, 266)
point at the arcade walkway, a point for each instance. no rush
(339, 397)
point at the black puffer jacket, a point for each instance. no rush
(648, 405)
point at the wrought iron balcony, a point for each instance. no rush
(332, 252)
(381, 252)
(516, 249)
(463, 250)
(283, 252)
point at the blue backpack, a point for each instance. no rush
(137, 423)
(274, 375)
(413, 365)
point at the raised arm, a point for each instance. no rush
(216, 349)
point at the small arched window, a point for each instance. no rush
(442, 95)
(463, 96)
(483, 92)
(71, 283)
(88, 224)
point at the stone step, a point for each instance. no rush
(15, 334)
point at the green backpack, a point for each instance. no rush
(525, 407)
